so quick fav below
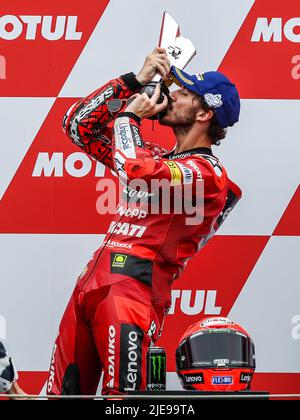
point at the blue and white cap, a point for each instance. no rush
(217, 90)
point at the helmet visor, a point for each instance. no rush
(216, 349)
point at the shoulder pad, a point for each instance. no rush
(214, 165)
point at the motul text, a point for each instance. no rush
(51, 28)
(76, 164)
(275, 29)
(195, 302)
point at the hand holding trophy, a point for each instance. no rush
(173, 49)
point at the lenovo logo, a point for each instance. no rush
(51, 28)
(132, 368)
(273, 30)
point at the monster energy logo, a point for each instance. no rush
(158, 367)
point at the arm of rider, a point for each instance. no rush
(87, 123)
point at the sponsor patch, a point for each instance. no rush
(136, 137)
(197, 169)
(127, 229)
(214, 101)
(176, 176)
(222, 380)
(124, 137)
(131, 358)
(124, 134)
(187, 174)
(180, 155)
(131, 212)
(246, 377)
(116, 244)
(119, 260)
(216, 321)
(193, 379)
(119, 163)
(152, 330)
(111, 355)
(131, 266)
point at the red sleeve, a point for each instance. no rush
(87, 122)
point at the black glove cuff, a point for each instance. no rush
(131, 82)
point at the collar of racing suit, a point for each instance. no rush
(186, 153)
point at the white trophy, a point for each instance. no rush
(180, 51)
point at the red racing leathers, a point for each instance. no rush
(118, 306)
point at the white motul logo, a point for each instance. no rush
(76, 164)
(51, 28)
(194, 302)
(132, 361)
(272, 30)
(111, 357)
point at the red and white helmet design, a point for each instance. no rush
(215, 354)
